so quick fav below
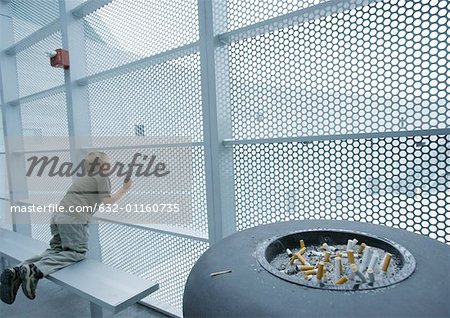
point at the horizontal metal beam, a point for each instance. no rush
(165, 145)
(307, 139)
(89, 7)
(164, 229)
(33, 38)
(41, 151)
(313, 12)
(160, 228)
(42, 94)
(139, 64)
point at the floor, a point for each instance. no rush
(54, 301)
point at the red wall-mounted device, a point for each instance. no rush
(61, 59)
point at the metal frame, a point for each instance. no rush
(307, 139)
(221, 217)
(78, 104)
(12, 124)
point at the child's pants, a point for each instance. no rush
(68, 245)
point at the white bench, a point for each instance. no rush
(101, 285)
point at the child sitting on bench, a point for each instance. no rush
(69, 243)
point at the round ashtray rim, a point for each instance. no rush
(403, 274)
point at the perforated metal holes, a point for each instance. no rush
(401, 182)
(159, 257)
(246, 12)
(381, 67)
(30, 16)
(164, 98)
(125, 31)
(33, 67)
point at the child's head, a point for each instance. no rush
(94, 161)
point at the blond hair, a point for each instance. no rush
(90, 158)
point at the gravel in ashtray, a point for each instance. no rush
(315, 254)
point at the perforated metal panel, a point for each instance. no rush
(125, 31)
(401, 182)
(41, 232)
(45, 117)
(163, 97)
(30, 16)
(33, 67)
(5, 217)
(381, 67)
(144, 190)
(162, 258)
(246, 12)
(4, 187)
(375, 69)
(41, 118)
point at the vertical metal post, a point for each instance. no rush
(96, 310)
(219, 191)
(78, 118)
(12, 122)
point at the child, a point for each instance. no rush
(69, 229)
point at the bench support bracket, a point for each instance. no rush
(96, 311)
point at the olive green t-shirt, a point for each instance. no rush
(84, 194)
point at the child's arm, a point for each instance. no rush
(119, 193)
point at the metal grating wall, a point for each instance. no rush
(397, 182)
(166, 259)
(122, 31)
(164, 97)
(377, 68)
(30, 16)
(33, 67)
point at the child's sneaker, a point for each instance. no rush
(30, 275)
(11, 281)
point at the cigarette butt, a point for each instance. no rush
(310, 272)
(220, 273)
(302, 259)
(354, 242)
(339, 254)
(373, 262)
(341, 280)
(371, 275)
(338, 263)
(302, 244)
(386, 261)
(361, 276)
(367, 255)
(349, 245)
(326, 257)
(320, 270)
(361, 248)
(289, 252)
(302, 250)
(352, 272)
(325, 247)
(293, 258)
(306, 267)
(351, 257)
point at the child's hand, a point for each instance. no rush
(127, 183)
